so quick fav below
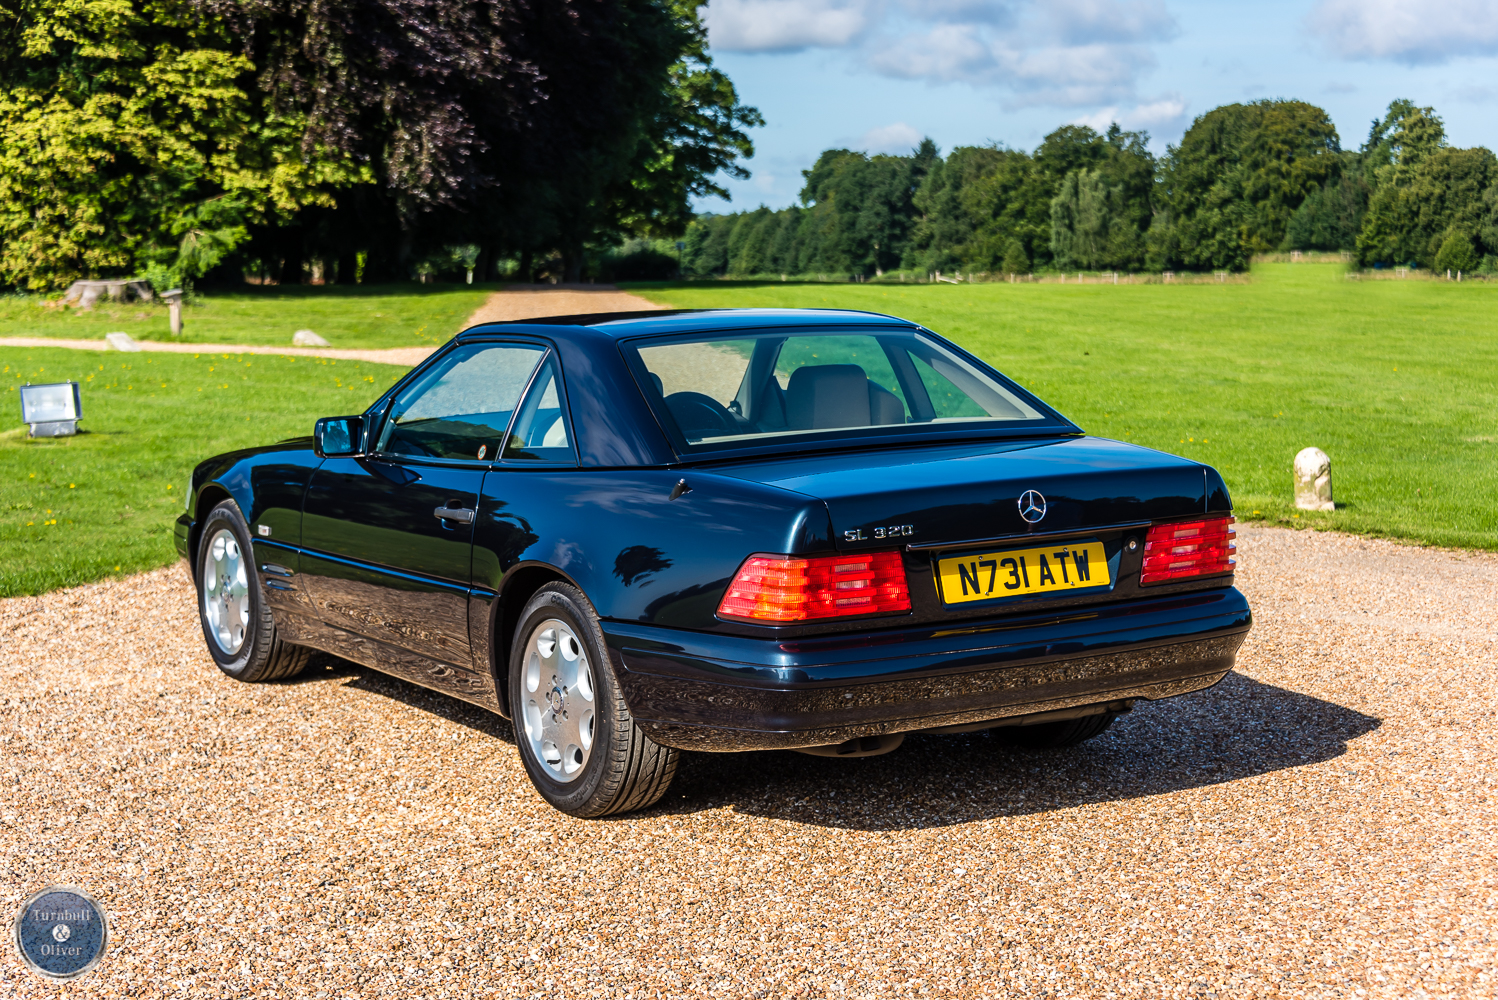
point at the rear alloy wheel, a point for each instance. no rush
(580, 746)
(1055, 735)
(238, 626)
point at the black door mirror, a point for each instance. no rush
(338, 437)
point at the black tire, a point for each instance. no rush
(260, 656)
(1054, 735)
(622, 769)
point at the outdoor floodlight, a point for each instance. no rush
(51, 410)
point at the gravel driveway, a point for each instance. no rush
(1321, 824)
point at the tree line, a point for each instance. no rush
(367, 139)
(1245, 179)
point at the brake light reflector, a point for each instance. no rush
(784, 589)
(1188, 548)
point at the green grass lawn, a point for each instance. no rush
(364, 316)
(1396, 380)
(102, 503)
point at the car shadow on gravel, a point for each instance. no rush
(1238, 729)
(360, 678)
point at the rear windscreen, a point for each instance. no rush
(752, 388)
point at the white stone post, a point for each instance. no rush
(1313, 480)
(173, 297)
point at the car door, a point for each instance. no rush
(387, 538)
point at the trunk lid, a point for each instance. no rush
(960, 494)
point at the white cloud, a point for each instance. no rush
(1080, 22)
(1167, 114)
(1069, 76)
(787, 25)
(1408, 32)
(1055, 52)
(960, 11)
(896, 139)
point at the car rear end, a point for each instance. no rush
(972, 575)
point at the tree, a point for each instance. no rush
(1015, 260)
(173, 133)
(1093, 223)
(1457, 252)
(1239, 174)
(1426, 194)
(944, 227)
(529, 125)
(1080, 216)
(1331, 216)
(1416, 209)
(863, 207)
(127, 140)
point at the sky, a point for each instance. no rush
(878, 75)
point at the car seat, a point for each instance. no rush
(825, 396)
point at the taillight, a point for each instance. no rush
(1188, 548)
(783, 589)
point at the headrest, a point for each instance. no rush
(820, 396)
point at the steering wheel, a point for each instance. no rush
(700, 415)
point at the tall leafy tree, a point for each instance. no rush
(1100, 214)
(128, 142)
(1439, 200)
(862, 207)
(533, 124)
(1332, 215)
(1427, 207)
(1240, 172)
(947, 222)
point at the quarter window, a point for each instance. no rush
(540, 433)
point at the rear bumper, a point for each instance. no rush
(700, 691)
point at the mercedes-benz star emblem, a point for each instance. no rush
(1031, 506)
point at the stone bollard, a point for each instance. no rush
(1313, 480)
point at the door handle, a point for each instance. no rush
(460, 514)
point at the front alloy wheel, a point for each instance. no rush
(226, 592)
(238, 626)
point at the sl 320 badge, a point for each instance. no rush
(885, 531)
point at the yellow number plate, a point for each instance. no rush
(1047, 570)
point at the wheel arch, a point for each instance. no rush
(209, 497)
(518, 587)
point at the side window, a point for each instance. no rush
(540, 433)
(461, 407)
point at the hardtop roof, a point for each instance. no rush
(620, 325)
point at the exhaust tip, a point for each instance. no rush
(863, 746)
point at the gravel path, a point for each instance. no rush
(530, 301)
(1319, 825)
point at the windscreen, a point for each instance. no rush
(754, 387)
